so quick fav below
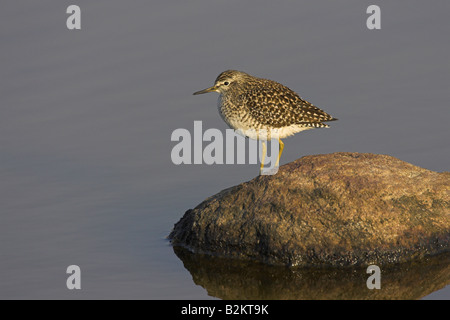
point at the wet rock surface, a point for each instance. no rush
(336, 209)
(236, 279)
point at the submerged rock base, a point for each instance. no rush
(238, 279)
(336, 209)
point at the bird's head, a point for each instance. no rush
(227, 80)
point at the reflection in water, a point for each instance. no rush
(235, 279)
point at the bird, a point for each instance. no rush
(264, 109)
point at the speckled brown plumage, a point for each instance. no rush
(248, 103)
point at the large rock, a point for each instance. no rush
(336, 209)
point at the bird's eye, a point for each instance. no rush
(226, 83)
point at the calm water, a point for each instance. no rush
(86, 117)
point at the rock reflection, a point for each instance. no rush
(235, 279)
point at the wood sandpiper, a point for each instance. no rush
(264, 109)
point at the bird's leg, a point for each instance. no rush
(264, 150)
(280, 151)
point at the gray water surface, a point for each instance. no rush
(86, 118)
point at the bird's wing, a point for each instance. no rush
(277, 106)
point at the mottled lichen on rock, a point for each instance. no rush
(336, 209)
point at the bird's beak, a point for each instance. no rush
(213, 88)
